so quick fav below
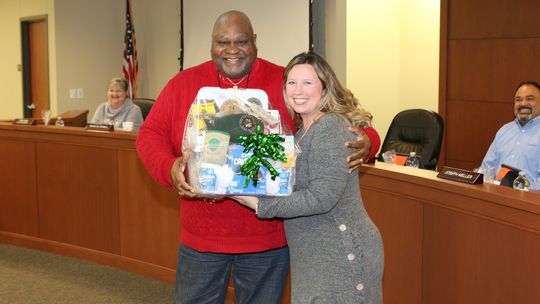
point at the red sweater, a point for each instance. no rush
(224, 227)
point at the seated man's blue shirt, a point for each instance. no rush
(518, 147)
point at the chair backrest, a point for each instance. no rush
(416, 130)
(145, 104)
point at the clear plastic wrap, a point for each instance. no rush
(235, 145)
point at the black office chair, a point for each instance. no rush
(416, 130)
(145, 104)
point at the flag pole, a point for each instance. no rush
(130, 66)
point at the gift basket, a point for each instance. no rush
(235, 145)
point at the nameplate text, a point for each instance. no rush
(24, 121)
(460, 175)
(99, 127)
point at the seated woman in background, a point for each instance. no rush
(118, 108)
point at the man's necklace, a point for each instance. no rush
(235, 84)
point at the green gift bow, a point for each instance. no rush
(264, 146)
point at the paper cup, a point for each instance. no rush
(127, 126)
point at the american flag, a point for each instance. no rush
(131, 66)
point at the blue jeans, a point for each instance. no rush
(203, 277)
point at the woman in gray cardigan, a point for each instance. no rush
(118, 108)
(336, 250)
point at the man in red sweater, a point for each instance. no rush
(223, 237)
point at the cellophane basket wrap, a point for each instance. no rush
(235, 145)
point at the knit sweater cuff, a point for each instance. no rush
(375, 141)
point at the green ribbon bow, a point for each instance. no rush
(264, 146)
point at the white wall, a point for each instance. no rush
(393, 56)
(336, 37)
(419, 55)
(85, 48)
(90, 44)
(158, 42)
(86, 43)
(386, 52)
(11, 12)
(282, 27)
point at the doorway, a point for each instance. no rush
(35, 66)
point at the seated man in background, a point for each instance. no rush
(517, 143)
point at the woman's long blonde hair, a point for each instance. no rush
(335, 98)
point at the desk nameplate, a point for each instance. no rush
(24, 121)
(460, 175)
(99, 127)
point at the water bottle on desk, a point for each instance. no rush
(59, 122)
(412, 160)
(521, 182)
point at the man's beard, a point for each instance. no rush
(236, 71)
(524, 118)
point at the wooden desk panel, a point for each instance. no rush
(474, 260)
(18, 187)
(399, 220)
(78, 195)
(95, 200)
(149, 232)
(448, 242)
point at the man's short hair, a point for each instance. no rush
(529, 82)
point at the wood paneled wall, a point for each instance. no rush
(487, 48)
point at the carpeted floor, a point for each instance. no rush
(30, 276)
